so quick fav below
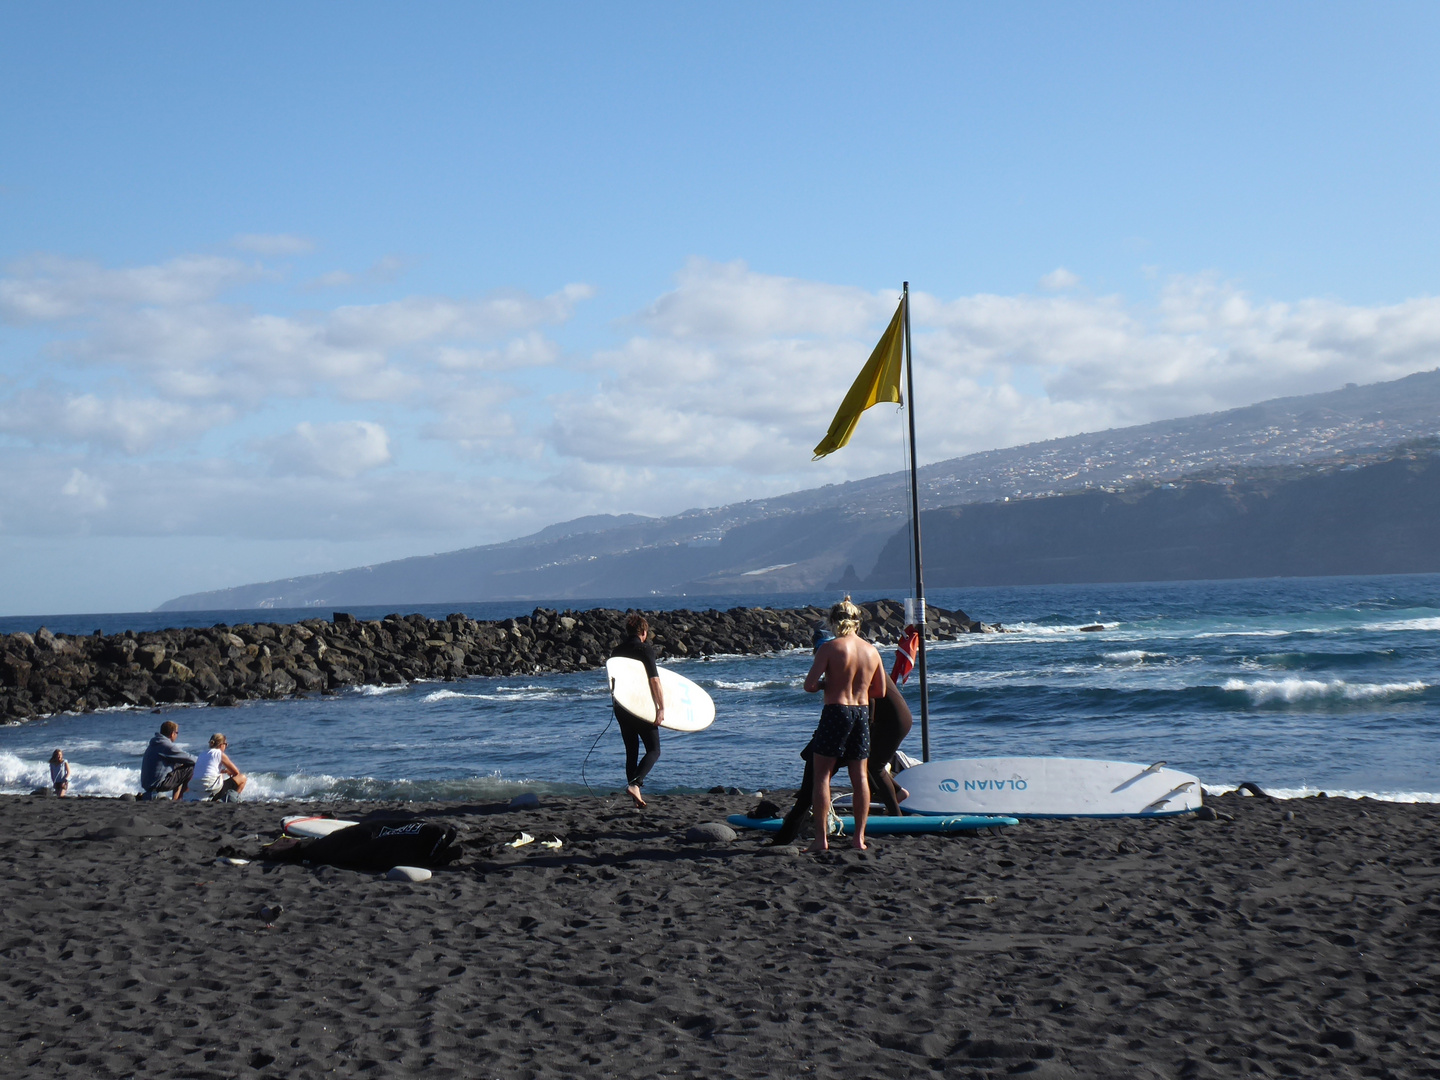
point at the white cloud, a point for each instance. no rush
(718, 301)
(727, 382)
(88, 493)
(343, 450)
(1059, 279)
(273, 244)
(473, 417)
(529, 350)
(131, 424)
(726, 379)
(51, 289)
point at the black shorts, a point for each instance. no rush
(843, 733)
(177, 777)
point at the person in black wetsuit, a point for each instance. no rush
(890, 722)
(634, 730)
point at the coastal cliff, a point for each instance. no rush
(1376, 519)
(48, 673)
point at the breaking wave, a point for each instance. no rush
(1289, 691)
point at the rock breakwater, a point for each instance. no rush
(44, 673)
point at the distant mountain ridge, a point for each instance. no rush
(806, 539)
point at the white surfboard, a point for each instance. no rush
(687, 707)
(313, 827)
(1048, 787)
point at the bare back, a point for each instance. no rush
(852, 671)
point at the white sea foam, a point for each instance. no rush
(503, 693)
(375, 690)
(1134, 656)
(20, 776)
(754, 684)
(446, 695)
(1334, 793)
(1254, 633)
(1271, 691)
(1055, 631)
(1404, 624)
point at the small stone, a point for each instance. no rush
(526, 800)
(711, 832)
(1289, 815)
(408, 873)
(718, 789)
(1206, 813)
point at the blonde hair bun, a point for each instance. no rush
(845, 617)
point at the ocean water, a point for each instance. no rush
(1299, 685)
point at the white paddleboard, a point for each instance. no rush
(313, 827)
(1048, 787)
(687, 707)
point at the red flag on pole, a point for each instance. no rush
(905, 655)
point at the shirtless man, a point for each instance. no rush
(849, 671)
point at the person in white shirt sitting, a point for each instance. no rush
(216, 773)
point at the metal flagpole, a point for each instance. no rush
(915, 531)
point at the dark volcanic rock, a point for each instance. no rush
(48, 673)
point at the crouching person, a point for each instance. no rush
(165, 767)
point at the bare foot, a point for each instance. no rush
(859, 844)
(817, 847)
(634, 792)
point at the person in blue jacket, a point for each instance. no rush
(165, 767)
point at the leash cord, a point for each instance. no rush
(592, 750)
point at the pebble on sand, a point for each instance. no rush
(408, 873)
(710, 832)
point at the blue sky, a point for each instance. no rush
(284, 290)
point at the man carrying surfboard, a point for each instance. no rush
(633, 730)
(849, 671)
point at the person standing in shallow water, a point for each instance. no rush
(849, 671)
(59, 773)
(633, 730)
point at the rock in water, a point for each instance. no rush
(711, 832)
(408, 873)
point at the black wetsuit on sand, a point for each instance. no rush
(887, 732)
(632, 729)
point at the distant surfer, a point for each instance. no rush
(633, 730)
(849, 672)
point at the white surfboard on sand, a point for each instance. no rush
(312, 826)
(687, 707)
(1048, 787)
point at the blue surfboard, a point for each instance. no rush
(880, 825)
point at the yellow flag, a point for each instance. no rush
(879, 380)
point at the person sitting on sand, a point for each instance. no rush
(849, 672)
(632, 729)
(216, 773)
(59, 773)
(165, 767)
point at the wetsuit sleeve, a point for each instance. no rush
(635, 649)
(648, 659)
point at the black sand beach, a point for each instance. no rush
(1164, 948)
